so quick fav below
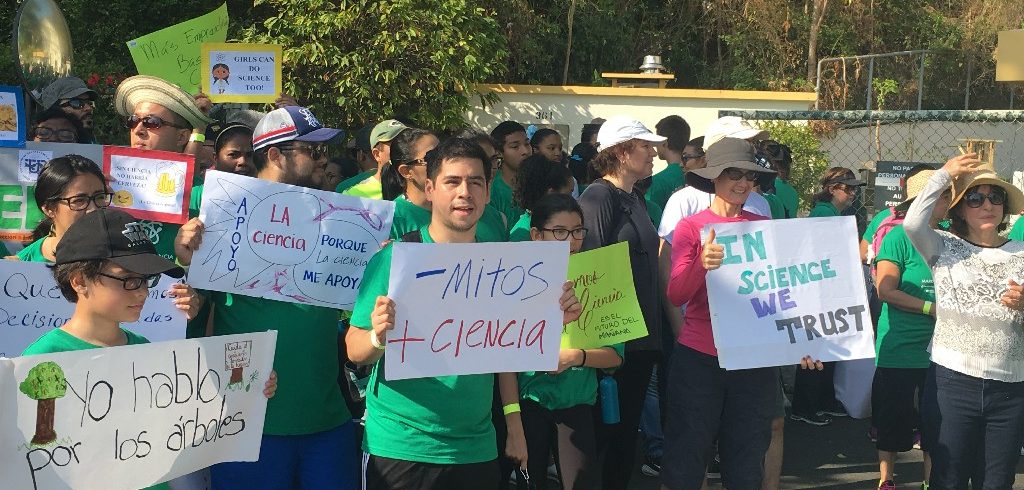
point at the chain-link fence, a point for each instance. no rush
(881, 145)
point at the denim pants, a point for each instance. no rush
(976, 425)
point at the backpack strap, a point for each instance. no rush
(414, 236)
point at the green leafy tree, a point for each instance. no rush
(809, 160)
(365, 60)
(45, 383)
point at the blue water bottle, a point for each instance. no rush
(609, 400)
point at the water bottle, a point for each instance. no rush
(609, 390)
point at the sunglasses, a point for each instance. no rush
(849, 189)
(692, 157)
(975, 199)
(737, 174)
(132, 283)
(62, 135)
(315, 152)
(149, 122)
(78, 103)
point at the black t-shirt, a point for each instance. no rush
(612, 215)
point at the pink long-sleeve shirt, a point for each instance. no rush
(687, 283)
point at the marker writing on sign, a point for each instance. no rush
(504, 281)
(827, 323)
(478, 334)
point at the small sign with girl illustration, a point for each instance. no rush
(234, 72)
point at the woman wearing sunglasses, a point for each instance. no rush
(973, 403)
(838, 191)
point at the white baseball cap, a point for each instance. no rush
(620, 129)
(732, 127)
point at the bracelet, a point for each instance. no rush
(375, 341)
(584, 363)
(927, 308)
(511, 408)
(200, 137)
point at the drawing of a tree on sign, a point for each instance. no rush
(237, 356)
(45, 383)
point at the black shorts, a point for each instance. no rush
(396, 474)
(894, 398)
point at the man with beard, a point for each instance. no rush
(73, 97)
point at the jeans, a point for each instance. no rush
(976, 425)
(650, 421)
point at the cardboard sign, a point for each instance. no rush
(132, 416)
(31, 305)
(785, 291)
(472, 308)
(241, 72)
(19, 168)
(13, 123)
(603, 282)
(889, 182)
(173, 53)
(285, 242)
(148, 184)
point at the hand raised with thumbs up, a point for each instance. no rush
(711, 254)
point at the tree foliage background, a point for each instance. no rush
(362, 60)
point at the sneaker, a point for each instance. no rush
(924, 485)
(818, 419)
(837, 410)
(651, 467)
(917, 439)
(715, 468)
(887, 485)
(873, 434)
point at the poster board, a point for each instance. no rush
(236, 72)
(149, 184)
(603, 281)
(173, 53)
(13, 120)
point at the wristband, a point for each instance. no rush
(375, 341)
(511, 408)
(584, 361)
(927, 308)
(200, 137)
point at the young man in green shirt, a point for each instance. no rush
(380, 142)
(664, 183)
(514, 147)
(433, 433)
(308, 436)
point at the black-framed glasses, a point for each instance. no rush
(81, 201)
(562, 234)
(149, 122)
(975, 199)
(131, 283)
(315, 152)
(737, 174)
(78, 104)
(49, 134)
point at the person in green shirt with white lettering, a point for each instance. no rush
(308, 435)
(904, 282)
(672, 177)
(537, 178)
(514, 148)
(418, 435)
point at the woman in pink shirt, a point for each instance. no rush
(705, 402)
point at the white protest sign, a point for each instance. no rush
(130, 417)
(148, 184)
(31, 305)
(787, 290)
(285, 242)
(472, 308)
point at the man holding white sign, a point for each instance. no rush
(309, 432)
(436, 432)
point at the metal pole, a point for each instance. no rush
(817, 84)
(920, 82)
(871, 75)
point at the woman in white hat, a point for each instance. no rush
(904, 283)
(973, 402)
(614, 210)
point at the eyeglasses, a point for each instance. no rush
(315, 152)
(737, 174)
(415, 163)
(78, 103)
(562, 234)
(975, 199)
(62, 135)
(686, 157)
(849, 189)
(81, 202)
(497, 160)
(149, 122)
(132, 283)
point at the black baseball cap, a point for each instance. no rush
(114, 235)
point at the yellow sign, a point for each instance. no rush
(233, 72)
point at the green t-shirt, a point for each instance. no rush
(308, 399)
(410, 217)
(492, 226)
(440, 420)
(33, 252)
(57, 340)
(355, 179)
(789, 197)
(654, 211)
(501, 199)
(775, 205)
(521, 230)
(823, 209)
(664, 183)
(369, 188)
(1017, 232)
(162, 235)
(194, 200)
(574, 386)
(869, 232)
(903, 337)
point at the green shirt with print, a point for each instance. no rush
(351, 181)
(501, 199)
(521, 230)
(410, 217)
(823, 209)
(369, 188)
(33, 252)
(308, 399)
(574, 386)
(664, 183)
(57, 340)
(441, 420)
(903, 337)
(789, 197)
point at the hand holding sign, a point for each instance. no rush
(711, 254)
(383, 317)
(569, 303)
